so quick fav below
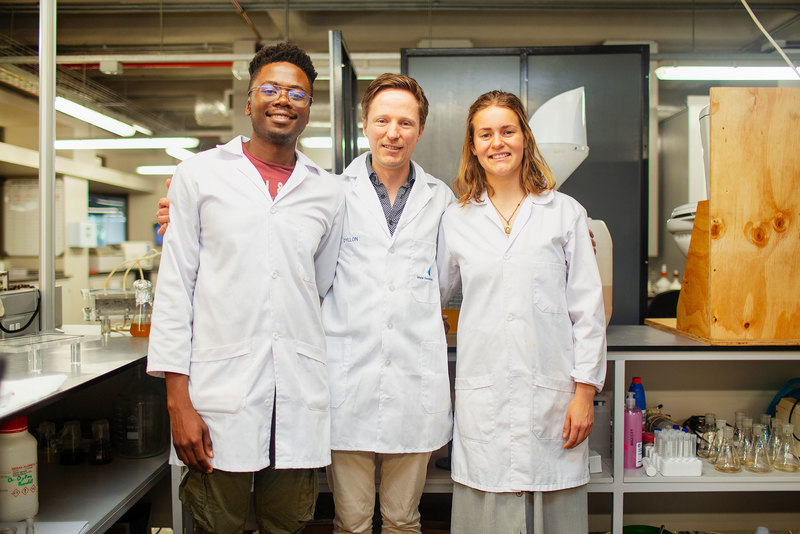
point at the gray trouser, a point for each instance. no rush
(541, 512)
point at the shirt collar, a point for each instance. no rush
(373, 176)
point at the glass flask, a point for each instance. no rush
(141, 424)
(774, 437)
(48, 443)
(140, 327)
(745, 437)
(727, 461)
(100, 452)
(716, 441)
(756, 459)
(784, 459)
(765, 421)
(70, 450)
(706, 437)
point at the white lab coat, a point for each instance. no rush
(531, 326)
(237, 305)
(387, 352)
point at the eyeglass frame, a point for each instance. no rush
(287, 90)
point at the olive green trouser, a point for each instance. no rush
(219, 501)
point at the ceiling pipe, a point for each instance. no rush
(247, 21)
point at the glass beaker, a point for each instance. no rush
(727, 461)
(140, 327)
(70, 451)
(141, 426)
(48, 444)
(784, 459)
(100, 452)
(756, 459)
(707, 432)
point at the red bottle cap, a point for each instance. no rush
(19, 424)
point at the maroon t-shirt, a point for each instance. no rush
(274, 175)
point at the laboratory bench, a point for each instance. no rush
(96, 494)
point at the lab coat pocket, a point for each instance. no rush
(423, 280)
(338, 364)
(550, 399)
(313, 377)
(475, 408)
(435, 381)
(550, 287)
(216, 375)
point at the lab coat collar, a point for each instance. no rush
(419, 196)
(524, 214)
(303, 166)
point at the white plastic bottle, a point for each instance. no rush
(662, 284)
(19, 485)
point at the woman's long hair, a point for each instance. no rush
(536, 176)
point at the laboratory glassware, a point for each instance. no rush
(784, 459)
(727, 461)
(756, 459)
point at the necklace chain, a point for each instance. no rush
(507, 227)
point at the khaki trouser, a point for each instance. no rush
(351, 477)
(219, 501)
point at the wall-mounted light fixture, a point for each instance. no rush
(156, 170)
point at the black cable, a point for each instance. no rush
(18, 330)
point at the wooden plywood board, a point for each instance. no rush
(692, 312)
(754, 216)
(671, 326)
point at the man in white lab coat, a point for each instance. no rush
(387, 352)
(390, 393)
(236, 327)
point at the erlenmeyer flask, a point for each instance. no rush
(727, 461)
(716, 442)
(707, 432)
(745, 437)
(756, 459)
(785, 460)
(774, 437)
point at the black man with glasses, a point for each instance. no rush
(251, 248)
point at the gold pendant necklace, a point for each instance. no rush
(507, 227)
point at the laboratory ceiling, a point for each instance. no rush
(168, 63)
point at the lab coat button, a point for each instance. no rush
(273, 210)
(506, 256)
(387, 363)
(389, 326)
(391, 287)
(276, 336)
(391, 250)
(274, 274)
(509, 317)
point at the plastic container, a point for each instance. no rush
(19, 485)
(632, 456)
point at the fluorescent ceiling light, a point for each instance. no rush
(130, 143)
(156, 170)
(142, 129)
(90, 116)
(326, 142)
(180, 153)
(727, 73)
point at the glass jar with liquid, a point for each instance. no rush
(140, 327)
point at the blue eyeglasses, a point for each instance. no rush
(270, 92)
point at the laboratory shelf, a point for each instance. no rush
(636, 481)
(647, 346)
(97, 494)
